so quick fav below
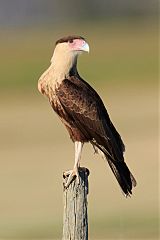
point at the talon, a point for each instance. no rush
(72, 173)
(66, 173)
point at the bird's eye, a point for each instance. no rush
(71, 41)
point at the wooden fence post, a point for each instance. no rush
(75, 217)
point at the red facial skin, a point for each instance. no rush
(77, 44)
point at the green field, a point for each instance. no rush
(35, 148)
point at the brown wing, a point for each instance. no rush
(87, 110)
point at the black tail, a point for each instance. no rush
(123, 176)
(120, 170)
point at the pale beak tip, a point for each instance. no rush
(85, 47)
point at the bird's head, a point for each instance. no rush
(65, 54)
(70, 47)
(75, 44)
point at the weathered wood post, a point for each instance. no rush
(75, 217)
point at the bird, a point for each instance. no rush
(82, 111)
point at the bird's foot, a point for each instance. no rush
(72, 174)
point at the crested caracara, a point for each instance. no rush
(82, 111)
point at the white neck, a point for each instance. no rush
(62, 62)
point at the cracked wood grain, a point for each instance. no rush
(75, 217)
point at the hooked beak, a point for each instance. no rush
(85, 47)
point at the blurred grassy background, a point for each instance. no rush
(35, 148)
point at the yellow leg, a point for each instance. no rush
(74, 172)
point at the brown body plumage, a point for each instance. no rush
(81, 109)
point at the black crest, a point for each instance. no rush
(68, 39)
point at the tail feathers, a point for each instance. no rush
(119, 168)
(123, 176)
